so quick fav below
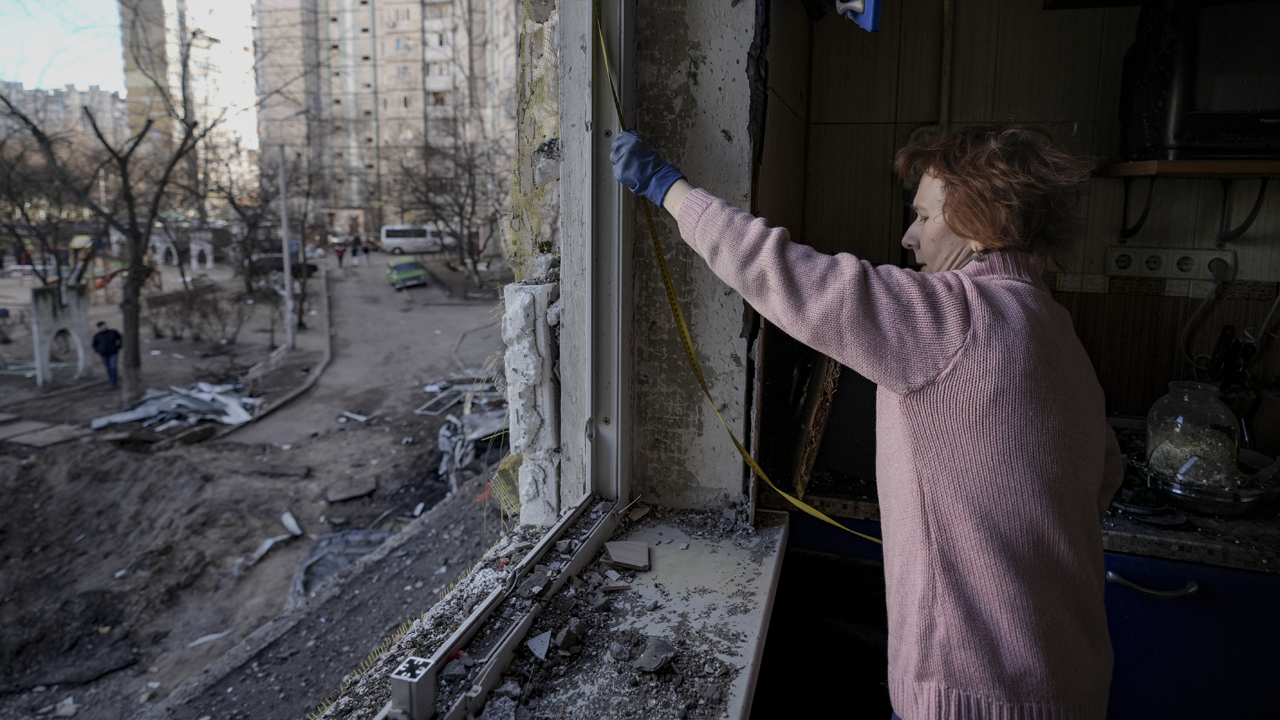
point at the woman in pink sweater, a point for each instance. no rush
(994, 459)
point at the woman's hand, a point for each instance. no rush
(642, 170)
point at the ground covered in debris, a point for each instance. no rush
(138, 555)
(123, 573)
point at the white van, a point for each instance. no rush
(401, 239)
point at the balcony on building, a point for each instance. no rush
(438, 83)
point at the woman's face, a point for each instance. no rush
(936, 246)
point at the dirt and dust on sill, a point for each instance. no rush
(546, 627)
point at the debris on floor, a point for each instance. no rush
(266, 546)
(290, 523)
(184, 407)
(205, 639)
(332, 552)
(673, 642)
(626, 554)
(477, 392)
(463, 440)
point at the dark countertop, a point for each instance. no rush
(1250, 543)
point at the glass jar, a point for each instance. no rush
(1192, 436)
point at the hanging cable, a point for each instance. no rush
(1219, 269)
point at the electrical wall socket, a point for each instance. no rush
(1172, 263)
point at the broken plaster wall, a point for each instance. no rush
(531, 314)
(693, 97)
(530, 330)
(535, 186)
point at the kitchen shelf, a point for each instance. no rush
(1228, 171)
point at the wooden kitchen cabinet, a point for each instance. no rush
(1212, 653)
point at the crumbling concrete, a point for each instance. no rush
(535, 187)
(688, 91)
(533, 397)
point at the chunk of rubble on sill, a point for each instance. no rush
(707, 605)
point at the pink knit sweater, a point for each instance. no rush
(994, 463)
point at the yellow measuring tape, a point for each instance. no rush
(685, 338)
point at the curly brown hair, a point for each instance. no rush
(1006, 187)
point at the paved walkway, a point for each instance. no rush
(384, 343)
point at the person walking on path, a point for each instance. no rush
(355, 253)
(367, 247)
(339, 250)
(107, 343)
(994, 463)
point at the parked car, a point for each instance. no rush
(404, 272)
(400, 239)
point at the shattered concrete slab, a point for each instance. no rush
(21, 427)
(50, 436)
(350, 489)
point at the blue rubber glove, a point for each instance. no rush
(642, 170)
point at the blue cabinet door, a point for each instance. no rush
(1214, 653)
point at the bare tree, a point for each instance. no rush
(459, 177)
(144, 166)
(36, 207)
(459, 180)
(251, 201)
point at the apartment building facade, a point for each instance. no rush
(62, 111)
(370, 90)
(212, 87)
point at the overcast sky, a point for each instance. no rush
(50, 43)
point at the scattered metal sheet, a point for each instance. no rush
(187, 406)
(7, 418)
(443, 400)
(266, 546)
(475, 396)
(459, 437)
(355, 416)
(290, 523)
(331, 552)
(205, 639)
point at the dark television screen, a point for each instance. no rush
(1238, 58)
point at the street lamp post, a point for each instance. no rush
(286, 260)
